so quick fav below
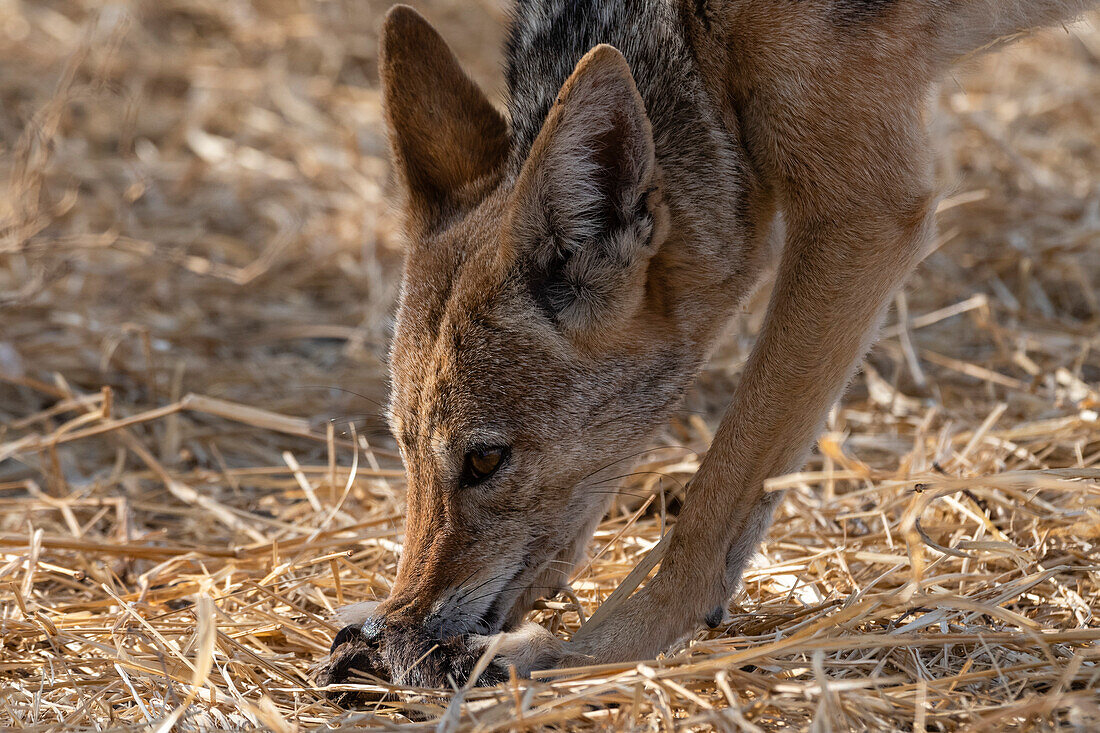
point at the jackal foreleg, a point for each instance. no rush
(843, 263)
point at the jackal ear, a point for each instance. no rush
(583, 208)
(449, 143)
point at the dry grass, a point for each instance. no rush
(196, 262)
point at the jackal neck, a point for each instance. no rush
(548, 37)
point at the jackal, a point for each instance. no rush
(569, 267)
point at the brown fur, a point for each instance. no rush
(568, 336)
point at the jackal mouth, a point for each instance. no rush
(497, 613)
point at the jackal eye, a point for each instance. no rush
(481, 463)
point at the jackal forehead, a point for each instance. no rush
(484, 362)
(464, 261)
(470, 355)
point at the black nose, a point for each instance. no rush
(367, 632)
(345, 635)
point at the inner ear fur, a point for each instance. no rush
(583, 210)
(449, 144)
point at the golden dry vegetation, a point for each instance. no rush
(197, 273)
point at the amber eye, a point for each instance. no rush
(481, 463)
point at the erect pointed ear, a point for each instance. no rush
(449, 143)
(585, 209)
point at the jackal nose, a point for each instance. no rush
(367, 632)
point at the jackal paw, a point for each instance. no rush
(530, 648)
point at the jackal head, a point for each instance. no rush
(534, 348)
